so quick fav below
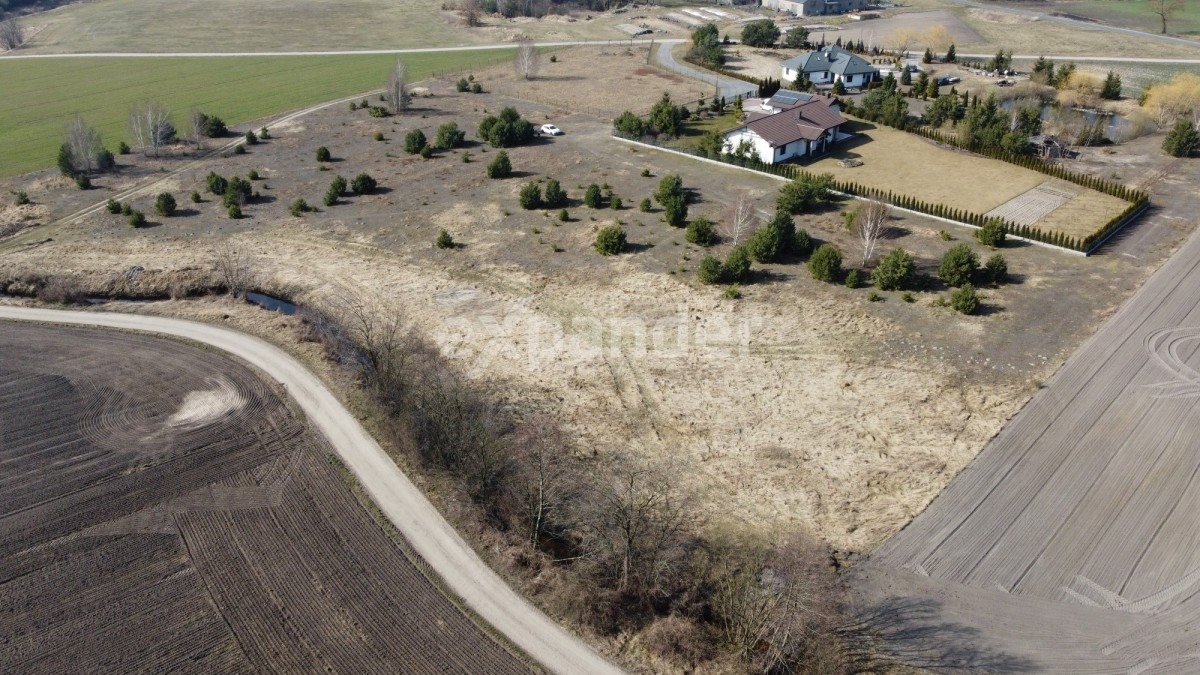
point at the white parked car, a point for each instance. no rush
(551, 130)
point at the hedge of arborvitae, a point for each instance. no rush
(1037, 164)
(1085, 244)
(1138, 199)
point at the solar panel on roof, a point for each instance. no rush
(785, 97)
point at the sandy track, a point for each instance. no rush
(1070, 543)
(404, 505)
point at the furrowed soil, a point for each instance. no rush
(162, 509)
(802, 405)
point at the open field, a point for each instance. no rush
(985, 30)
(163, 509)
(41, 96)
(1138, 15)
(227, 25)
(1025, 36)
(801, 405)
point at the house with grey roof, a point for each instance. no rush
(830, 64)
(789, 125)
(815, 7)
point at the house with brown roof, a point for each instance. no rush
(789, 125)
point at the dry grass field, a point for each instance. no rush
(271, 25)
(162, 509)
(984, 30)
(800, 406)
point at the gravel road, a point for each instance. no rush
(434, 539)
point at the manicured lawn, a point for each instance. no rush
(40, 96)
(694, 132)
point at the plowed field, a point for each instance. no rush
(161, 509)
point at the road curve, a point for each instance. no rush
(730, 87)
(434, 539)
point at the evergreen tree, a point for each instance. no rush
(1112, 87)
(1182, 140)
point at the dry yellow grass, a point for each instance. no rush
(906, 164)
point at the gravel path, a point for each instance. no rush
(434, 539)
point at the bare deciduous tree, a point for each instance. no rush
(902, 39)
(780, 609)
(196, 130)
(151, 127)
(743, 218)
(85, 144)
(232, 266)
(634, 530)
(527, 60)
(12, 34)
(546, 481)
(471, 10)
(397, 89)
(872, 223)
(1164, 10)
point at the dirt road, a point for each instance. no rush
(1070, 543)
(404, 505)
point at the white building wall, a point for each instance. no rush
(761, 148)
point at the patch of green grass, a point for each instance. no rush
(1185, 20)
(42, 95)
(694, 131)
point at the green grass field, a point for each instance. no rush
(1136, 14)
(41, 96)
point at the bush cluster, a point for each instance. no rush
(895, 271)
(531, 196)
(825, 264)
(506, 130)
(164, 204)
(610, 240)
(415, 141)
(701, 232)
(364, 184)
(555, 196)
(500, 167)
(958, 265)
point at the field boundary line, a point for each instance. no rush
(1129, 218)
(844, 194)
(347, 52)
(409, 510)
